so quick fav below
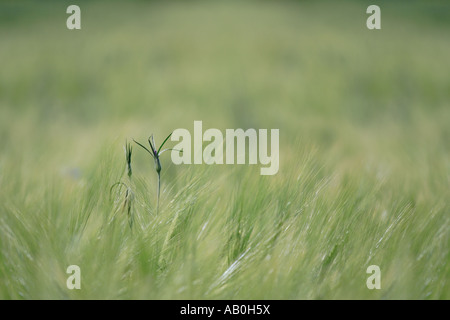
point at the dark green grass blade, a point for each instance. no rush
(160, 147)
(145, 148)
(152, 145)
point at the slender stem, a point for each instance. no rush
(130, 205)
(158, 190)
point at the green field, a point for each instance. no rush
(364, 179)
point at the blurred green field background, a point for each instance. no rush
(364, 149)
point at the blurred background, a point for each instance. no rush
(310, 68)
(362, 105)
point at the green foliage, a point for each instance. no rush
(364, 164)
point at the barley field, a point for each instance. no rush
(364, 128)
